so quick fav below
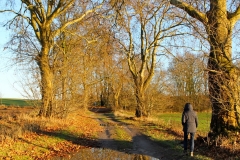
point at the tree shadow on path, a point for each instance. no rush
(141, 144)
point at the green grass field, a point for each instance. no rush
(204, 120)
(16, 102)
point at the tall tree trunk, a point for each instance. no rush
(222, 80)
(64, 75)
(116, 93)
(86, 96)
(116, 102)
(140, 97)
(46, 84)
(222, 75)
(64, 95)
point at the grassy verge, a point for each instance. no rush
(166, 130)
(168, 135)
(123, 139)
(28, 137)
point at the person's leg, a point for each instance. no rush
(192, 143)
(185, 141)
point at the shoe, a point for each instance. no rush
(191, 154)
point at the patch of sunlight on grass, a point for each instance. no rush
(122, 135)
(39, 136)
(123, 138)
(22, 158)
(3, 154)
(18, 151)
(122, 113)
(45, 141)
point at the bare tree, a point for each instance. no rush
(41, 15)
(187, 73)
(188, 76)
(142, 28)
(219, 18)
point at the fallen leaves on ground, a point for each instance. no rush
(52, 137)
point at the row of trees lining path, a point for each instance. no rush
(51, 20)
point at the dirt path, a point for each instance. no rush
(141, 144)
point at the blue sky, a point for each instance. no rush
(9, 79)
(9, 87)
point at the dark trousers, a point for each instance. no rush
(191, 141)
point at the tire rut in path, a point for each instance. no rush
(141, 144)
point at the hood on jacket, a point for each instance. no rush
(188, 107)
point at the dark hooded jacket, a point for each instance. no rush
(189, 119)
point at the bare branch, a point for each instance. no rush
(193, 12)
(58, 31)
(235, 16)
(43, 14)
(58, 10)
(17, 14)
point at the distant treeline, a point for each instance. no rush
(160, 103)
(157, 103)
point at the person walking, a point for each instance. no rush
(190, 124)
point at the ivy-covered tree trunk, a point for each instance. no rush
(46, 84)
(224, 97)
(222, 76)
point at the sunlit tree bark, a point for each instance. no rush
(222, 74)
